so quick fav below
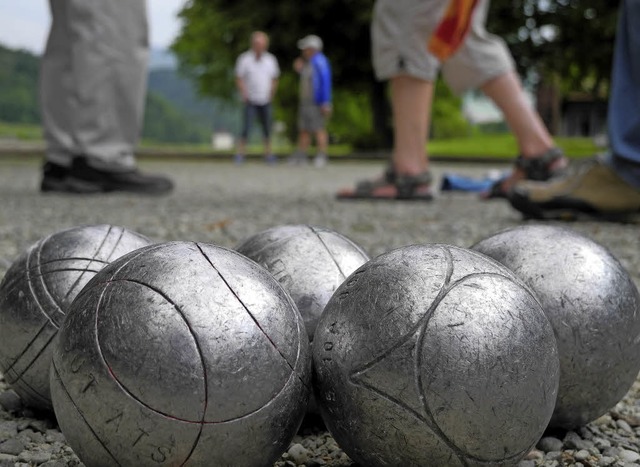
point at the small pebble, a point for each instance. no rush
(298, 453)
(582, 455)
(629, 456)
(549, 444)
(624, 426)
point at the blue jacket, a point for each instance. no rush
(321, 79)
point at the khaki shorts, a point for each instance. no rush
(400, 32)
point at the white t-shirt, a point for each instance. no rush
(257, 75)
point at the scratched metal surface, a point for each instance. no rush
(594, 308)
(223, 204)
(435, 355)
(309, 261)
(37, 292)
(177, 353)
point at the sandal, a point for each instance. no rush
(407, 187)
(537, 168)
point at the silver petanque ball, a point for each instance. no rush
(36, 293)
(435, 355)
(181, 354)
(309, 261)
(593, 306)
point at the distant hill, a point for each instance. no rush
(18, 86)
(162, 59)
(174, 114)
(214, 114)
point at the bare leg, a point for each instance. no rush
(304, 141)
(322, 140)
(242, 147)
(267, 147)
(411, 100)
(532, 136)
(525, 123)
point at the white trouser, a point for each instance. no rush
(93, 81)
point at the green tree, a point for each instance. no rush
(564, 47)
(215, 32)
(571, 40)
(18, 86)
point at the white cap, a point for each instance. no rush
(310, 42)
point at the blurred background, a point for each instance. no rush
(563, 49)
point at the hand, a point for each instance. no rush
(298, 64)
(326, 110)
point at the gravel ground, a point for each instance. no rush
(220, 203)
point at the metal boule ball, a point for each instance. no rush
(36, 293)
(309, 261)
(593, 306)
(435, 355)
(181, 354)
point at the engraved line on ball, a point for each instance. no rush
(95, 255)
(421, 326)
(171, 417)
(418, 364)
(80, 413)
(322, 242)
(19, 374)
(253, 318)
(200, 355)
(358, 372)
(31, 280)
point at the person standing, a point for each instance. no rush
(93, 82)
(315, 100)
(413, 41)
(257, 74)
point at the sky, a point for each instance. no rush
(24, 24)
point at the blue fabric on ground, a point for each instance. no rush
(455, 182)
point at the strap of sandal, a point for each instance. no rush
(539, 168)
(407, 185)
(365, 187)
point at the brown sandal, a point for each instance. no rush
(408, 187)
(537, 168)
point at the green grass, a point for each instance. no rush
(20, 131)
(504, 146)
(494, 146)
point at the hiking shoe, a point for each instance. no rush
(55, 178)
(591, 188)
(132, 180)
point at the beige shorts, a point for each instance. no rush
(400, 32)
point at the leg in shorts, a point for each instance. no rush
(310, 118)
(401, 30)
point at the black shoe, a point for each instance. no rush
(132, 181)
(56, 178)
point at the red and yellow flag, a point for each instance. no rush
(450, 33)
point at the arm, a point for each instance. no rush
(274, 80)
(240, 85)
(241, 88)
(323, 74)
